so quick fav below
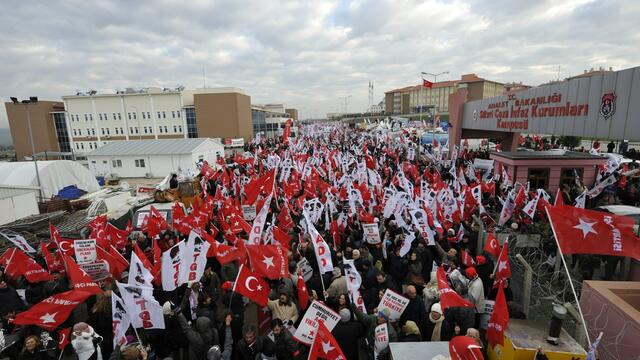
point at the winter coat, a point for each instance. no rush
(246, 352)
(10, 301)
(286, 347)
(476, 291)
(201, 339)
(348, 335)
(283, 312)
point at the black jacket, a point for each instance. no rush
(10, 301)
(348, 335)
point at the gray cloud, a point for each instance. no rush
(304, 53)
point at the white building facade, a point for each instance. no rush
(152, 158)
(95, 119)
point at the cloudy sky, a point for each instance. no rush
(305, 54)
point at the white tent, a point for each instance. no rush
(54, 175)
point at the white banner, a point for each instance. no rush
(307, 328)
(354, 280)
(195, 258)
(85, 250)
(255, 237)
(305, 268)
(120, 320)
(98, 270)
(381, 339)
(172, 260)
(395, 302)
(20, 242)
(138, 274)
(145, 310)
(371, 233)
(249, 212)
(601, 186)
(322, 250)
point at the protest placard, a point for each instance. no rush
(85, 250)
(98, 270)
(395, 302)
(317, 311)
(249, 212)
(371, 233)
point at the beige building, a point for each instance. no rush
(49, 134)
(410, 99)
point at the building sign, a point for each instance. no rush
(228, 142)
(602, 106)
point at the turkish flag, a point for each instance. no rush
(63, 338)
(284, 218)
(499, 320)
(324, 345)
(143, 257)
(18, 264)
(559, 201)
(54, 260)
(116, 237)
(226, 253)
(465, 348)
(303, 293)
(581, 231)
(251, 286)
(426, 83)
(448, 297)
(521, 197)
(52, 311)
(207, 171)
(492, 246)
(466, 259)
(269, 261)
(282, 237)
(503, 268)
(264, 184)
(80, 279)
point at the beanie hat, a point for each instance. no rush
(385, 313)
(436, 308)
(471, 273)
(345, 315)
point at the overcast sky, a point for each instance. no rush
(305, 54)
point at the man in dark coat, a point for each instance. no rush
(415, 310)
(251, 345)
(348, 333)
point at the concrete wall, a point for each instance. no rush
(17, 207)
(42, 127)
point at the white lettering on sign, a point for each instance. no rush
(317, 311)
(85, 250)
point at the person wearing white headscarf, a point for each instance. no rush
(86, 342)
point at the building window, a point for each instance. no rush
(160, 128)
(86, 117)
(159, 115)
(143, 115)
(119, 116)
(148, 115)
(114, 116)
(74, 132)
(140, 163)
(90, 146)
(165, 129)
(173, 114)
(102, 130)
(150, 129)
(93, 132)
(116, 131)
(134, 116)
(108, 131)
(116, 163)
(95, 144)
(121, 130)
(90, 117)
(100, 116)
(192, 129)
(77, 146)
(178, 114)
(129, 116)
(62, 133)
(568, 176)
(175, 129)
(538, 178)
(137, 130)
(145, 129)
(179, 128)
(82, 146)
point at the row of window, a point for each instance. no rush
(118, 163)
(130, 115)
(163, 129)
(90, 145)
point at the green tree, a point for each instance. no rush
(570, 141)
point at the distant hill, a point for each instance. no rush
(5, 137)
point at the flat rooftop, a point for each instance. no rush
(544, 155)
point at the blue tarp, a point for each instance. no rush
(70, 192)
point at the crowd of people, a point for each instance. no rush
(329, 178)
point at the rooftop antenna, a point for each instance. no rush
(558, 72)
(204, 77)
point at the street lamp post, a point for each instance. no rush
(31, 100)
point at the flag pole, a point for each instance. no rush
(137, 336)
(233, 289)
(566, 268)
